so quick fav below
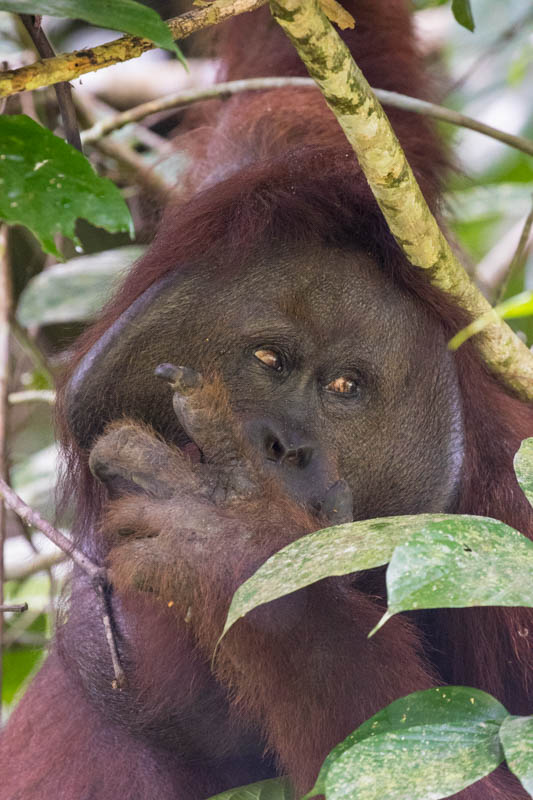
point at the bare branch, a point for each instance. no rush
(38, 358)
(18, 608)
(490, 271)
(138, 132)
(32, 396)
(97, 574)
(31, 517)
(41, 563)
(188, 97)
(128, 158)
(394, 186)
(223, 90)
(507, 35)
(68, 66)
(120, 676)
(444, 114)
(63, 90)
(520, 255)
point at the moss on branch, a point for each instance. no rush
(68, 66)
(393, 184)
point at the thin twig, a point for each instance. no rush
(25, 638)
(101, 111)
(105, 606)
(97, 574)
(27, 532)
(519, 256)
(32, 396)
(491, 269)
(68, 66)
(18, 608)
(454, 117)
(32, 517)
(6, 303)
(224, 90)
(41, 563)
(63, 90)
(128, 157)
(4, 101)
(187, 97)
(38, 358)
(504, 37)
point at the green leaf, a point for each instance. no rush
(332, 551)
(462, 12)
(47, 185)
(74, 291)
(425, 746)
(119, 15)
(520, 305)
(274, 789)
(523, 465)
(419, 4)
(458, 562)
(516, 736)
(18, 665)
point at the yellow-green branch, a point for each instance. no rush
(68, 66)
(393, 184)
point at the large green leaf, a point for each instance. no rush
(516, 735)
(458, 562)
(120, 15)
(523, 464)
(425, 746)
(47, 185)
(74, 291)
(333, 551)
(274, 789)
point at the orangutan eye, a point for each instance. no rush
(342, 386)
(270, 358)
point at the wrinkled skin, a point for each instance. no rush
(189, 528)
(269, 451)
(205, 500)
(329, 394)
(341, 318)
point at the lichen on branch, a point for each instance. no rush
(360, 115)
(68, 66)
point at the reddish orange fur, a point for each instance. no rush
(65, 742)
